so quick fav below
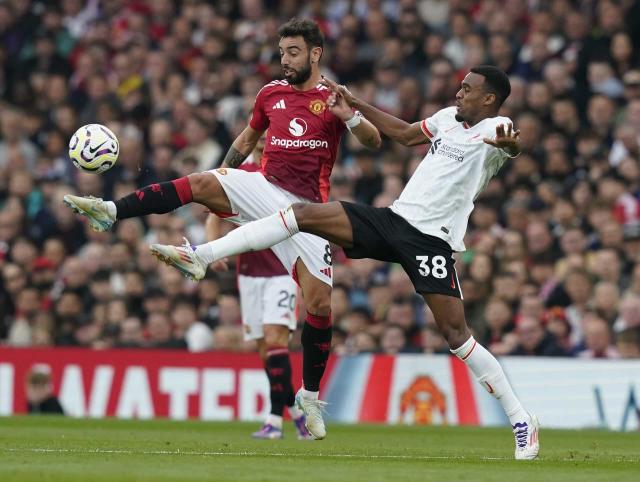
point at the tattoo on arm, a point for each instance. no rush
(233, 158)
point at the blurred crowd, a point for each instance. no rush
(553, 247)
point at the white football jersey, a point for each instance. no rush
(438, 198)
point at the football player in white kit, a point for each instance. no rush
(427, 223)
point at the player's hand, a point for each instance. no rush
(507, 141)
(220, 265)
(339, 107)
(340, 90)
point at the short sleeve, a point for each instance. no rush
(259, 120)
(429, 127)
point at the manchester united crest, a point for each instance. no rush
(317, 106)
(422, 400)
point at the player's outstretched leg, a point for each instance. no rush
(160, 198)
(153, 199)
(254, 236)
(449, 314)
(328, 221)
(183, 258)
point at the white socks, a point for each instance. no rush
(274, 420)
(309, 395)
(491, 376)
(294, 412)
(253, 236)
(111, 209)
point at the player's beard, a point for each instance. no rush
(459, 118)
(299, 76)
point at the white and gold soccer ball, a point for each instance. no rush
(94, 148)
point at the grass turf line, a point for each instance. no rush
(61, 449)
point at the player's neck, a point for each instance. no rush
(470, 122)
(311, 82)
(480, 118)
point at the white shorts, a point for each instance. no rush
(270, 301)
(253, 197)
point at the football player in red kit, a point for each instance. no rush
(303, 131)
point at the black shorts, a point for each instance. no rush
(381, 234)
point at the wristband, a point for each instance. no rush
(353, 122)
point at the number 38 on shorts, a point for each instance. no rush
(434, 273)
(437, 268)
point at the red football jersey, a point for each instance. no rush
(263, 263)
(302, 138)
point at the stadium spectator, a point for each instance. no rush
(498, 322)
(597, 340)
(197, 335)
(227, 338)
(534, 339)
(40, 396)
(130, 335)
(393, 340)
(159, 332)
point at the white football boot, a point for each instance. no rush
(527, 442)
(94, 208)
(312, 410)
(183, 258)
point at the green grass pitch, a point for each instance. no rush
(59, 449)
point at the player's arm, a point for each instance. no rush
(397, 129)
(366, 133)
(241, 147)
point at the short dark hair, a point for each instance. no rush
(496, 81)
(305, 28)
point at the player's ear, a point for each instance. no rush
(489, 98)
(316, 54)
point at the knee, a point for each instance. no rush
(199, 183)
(318, 301)
(262, 351)
(456, 335)
(276, 336)
(300, 211)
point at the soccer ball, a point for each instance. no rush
(94, 148)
